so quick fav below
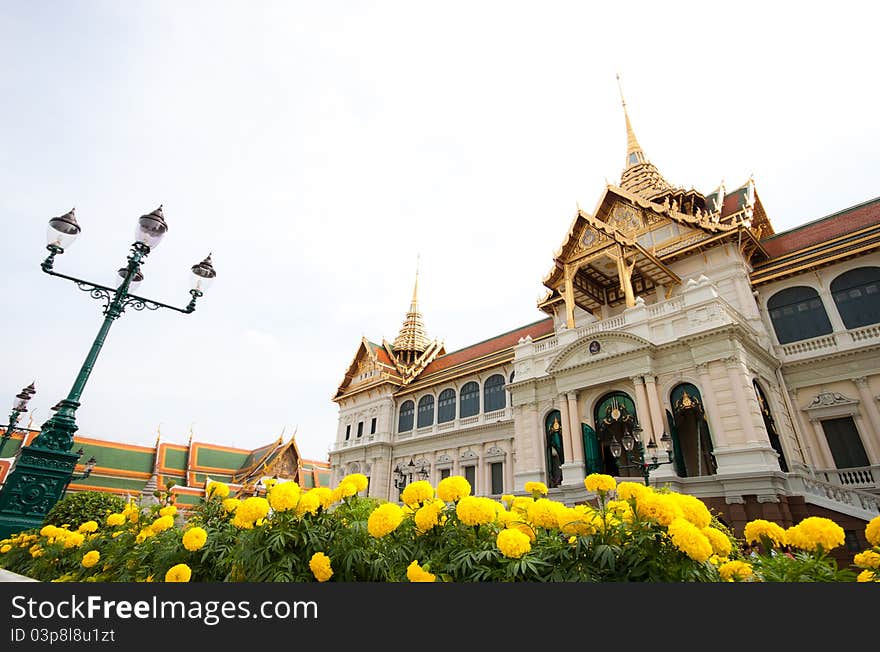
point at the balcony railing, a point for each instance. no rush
(825, 344)
(866, 478)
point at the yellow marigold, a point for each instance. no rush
(36, 551)
(216, 489)
(658, 507)
(507, 499)
(168, 510)
(417, 493)
(627, 490)
(428, 516)
(88, 527)
(320, 565)
(325, 496)
(269, 483)
(521, 504)
(283, 496)
(116, 519)
(49, 531)
(872, 531)
(720, 542)
(345, 489)
(194, 538)
(758, 528)
(867, 576)
(309, 503)
(544, 513)
(74, 540)
(694, 509)
(513, 543)
(620, 509)
(241, 523)
(384, 519)
(252, 509)
(144, 534)
(91, 558)
(178, 573)
(733, 571)
(472, 510)
(576, 520)
(867, 559)
(162, 523)
(600, 483)
(453, 488)
(525, 528)
(359, 479)
(814, 532)
(687, 538)
(231, 504)
(5, 548)
(415, 573)
(536, 489)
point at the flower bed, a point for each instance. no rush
(442, 534)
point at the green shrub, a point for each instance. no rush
(83, 506)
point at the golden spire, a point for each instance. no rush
(634, 153)
(412, 339)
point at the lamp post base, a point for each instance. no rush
(34, 485)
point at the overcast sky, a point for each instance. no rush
(318, 148)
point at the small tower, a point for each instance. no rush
(412, 341)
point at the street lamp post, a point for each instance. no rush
(45, 467)
(635, 459)
(405, 473)
(18, 408)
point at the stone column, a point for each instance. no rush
(798, 416)
(643, 411)
(566, 430)
(822, 444)
(873, 415)
(719, 437)
(831, 309)
(577, 441)
(736, 377)
(658, 421)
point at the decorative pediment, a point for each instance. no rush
(588, 350)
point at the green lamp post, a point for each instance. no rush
(18, 408)
(43, 469)
(635, 459)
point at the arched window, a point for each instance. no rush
(405, 420)
(446, 406)
(798, 314)
(857, 296)
(494, 397)
(470, 400)
(426, 411)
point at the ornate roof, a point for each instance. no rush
(412, 336)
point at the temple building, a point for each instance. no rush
(135, 472)
(681, 332)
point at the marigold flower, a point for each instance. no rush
(384, 519)
(600, 483)
(231, 504)
(719, 541)
(732, 571)
(755, 530)
(49, 531)
(507, 499)
(162, 523)
(74, 540)
(473, 510)
(5, 548)
(872, 531)
(218, 489)
(417, 493)
(88, 526)
(345, 489)
(513, 543)
(168, 510)
(688, 538)
(415, 573)
(867, 559)
(252, 509)
(815, 532)
(627, 490)
(91, 558)
(359, 479)
(36, 551)
(320, 565)
(144, 534)
(178, 573)
(116, 519)
(309, 503)
(194, 538)
(282, 497)
(536, 489)
(867, 576)
(544, 513)
(453, 488)
(694, 509)
(658, 507)
(428, 515)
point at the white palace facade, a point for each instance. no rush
(678, 319)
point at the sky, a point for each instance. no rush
(320, 151)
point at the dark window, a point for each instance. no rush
(493, 393)
(444, 473)
(470, 474)
(857, 296)
(347, 432)
(845, 443)
(497, 478)
(446, 406)
(426, 411)
(470, 400)
(798, 314)
(373, 426)
(360, 428)
(405, 420)
(851, 541)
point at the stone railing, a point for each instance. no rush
(825, 344)
(858, 503)
(862, 477)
